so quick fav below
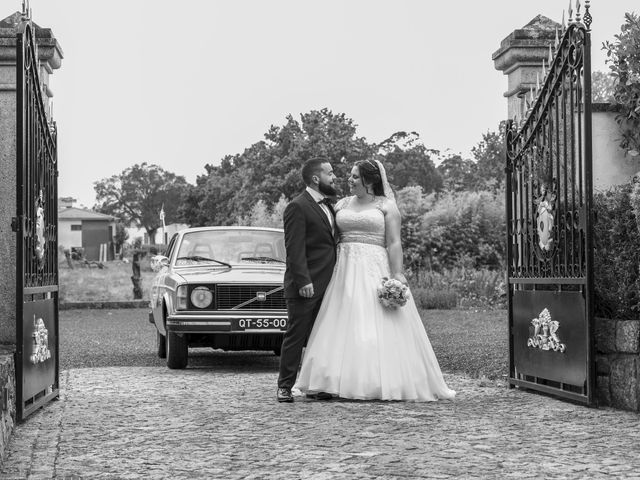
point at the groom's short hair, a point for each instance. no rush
(312, 167)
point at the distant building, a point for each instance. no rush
(86, 229)
(142, 234)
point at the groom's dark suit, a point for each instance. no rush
(311, 256)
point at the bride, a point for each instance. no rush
(359, 349)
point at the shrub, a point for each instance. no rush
(263, 216)
(462, 287)
(623, 57)
(465, 228)
(413, 204)
(434, 299)
(617, 252)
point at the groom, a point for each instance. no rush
(309, 227)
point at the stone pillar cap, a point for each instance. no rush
(49, 50)
(528, 44)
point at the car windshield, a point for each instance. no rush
(231, 247)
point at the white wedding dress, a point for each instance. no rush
(359, 349)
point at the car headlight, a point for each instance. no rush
(181, 297)
(201, 297)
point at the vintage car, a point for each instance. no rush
(219, 287)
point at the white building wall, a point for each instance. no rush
(68, 238)
(141, 233)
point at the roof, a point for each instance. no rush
(73, 213)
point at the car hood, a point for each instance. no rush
(238, 274)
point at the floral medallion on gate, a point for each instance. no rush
(40, 240)
(545, 333)
(544, 214)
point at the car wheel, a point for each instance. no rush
(161, 345)
(177, 351)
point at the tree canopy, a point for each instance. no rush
(270, 169)
(138, 193)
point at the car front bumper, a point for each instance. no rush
(228, 322)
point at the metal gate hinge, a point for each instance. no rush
(14, 224)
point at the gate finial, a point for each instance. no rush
(563, 25)
(557, 42)
(578, 11)
(26, 10)
(570, 19)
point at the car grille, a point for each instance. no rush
(232, 296)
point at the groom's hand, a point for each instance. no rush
(306, 291)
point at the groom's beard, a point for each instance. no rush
(327, 189)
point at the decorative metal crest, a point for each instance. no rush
(545, 333)
(40, 336)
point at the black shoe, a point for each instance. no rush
(284, 395)
(320, 396)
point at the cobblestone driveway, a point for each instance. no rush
(150, 422)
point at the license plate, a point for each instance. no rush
(262, 323)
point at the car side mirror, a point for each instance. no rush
(158, 262)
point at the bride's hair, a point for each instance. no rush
(370, 174)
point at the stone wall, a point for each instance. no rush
(611, 166)
(7, 397)
(618, 363)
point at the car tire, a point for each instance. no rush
(177, 351)
(161, 345)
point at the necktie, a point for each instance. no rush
(329, 203)
(332, 214)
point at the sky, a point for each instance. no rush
(182, 83)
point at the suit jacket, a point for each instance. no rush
(310, 245)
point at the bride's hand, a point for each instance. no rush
(401, 278)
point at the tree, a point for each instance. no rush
(458, 173)
(270, 168)
(490, 156)
(137, 195)
(408, 162)
(120, 236)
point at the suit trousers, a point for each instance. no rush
(302, 314)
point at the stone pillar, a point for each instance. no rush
(50, 57)
(520, 57)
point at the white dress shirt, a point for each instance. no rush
(317, 196)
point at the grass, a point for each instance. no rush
(470, 342)
(473, 342)
(466, 338)
(92, 284)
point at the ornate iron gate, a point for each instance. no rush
(37, 368)
(549, 229)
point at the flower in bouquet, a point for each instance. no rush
(392, 293)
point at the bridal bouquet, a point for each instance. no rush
(392, 293)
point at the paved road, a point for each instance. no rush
(219, 419)
(149, 422)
